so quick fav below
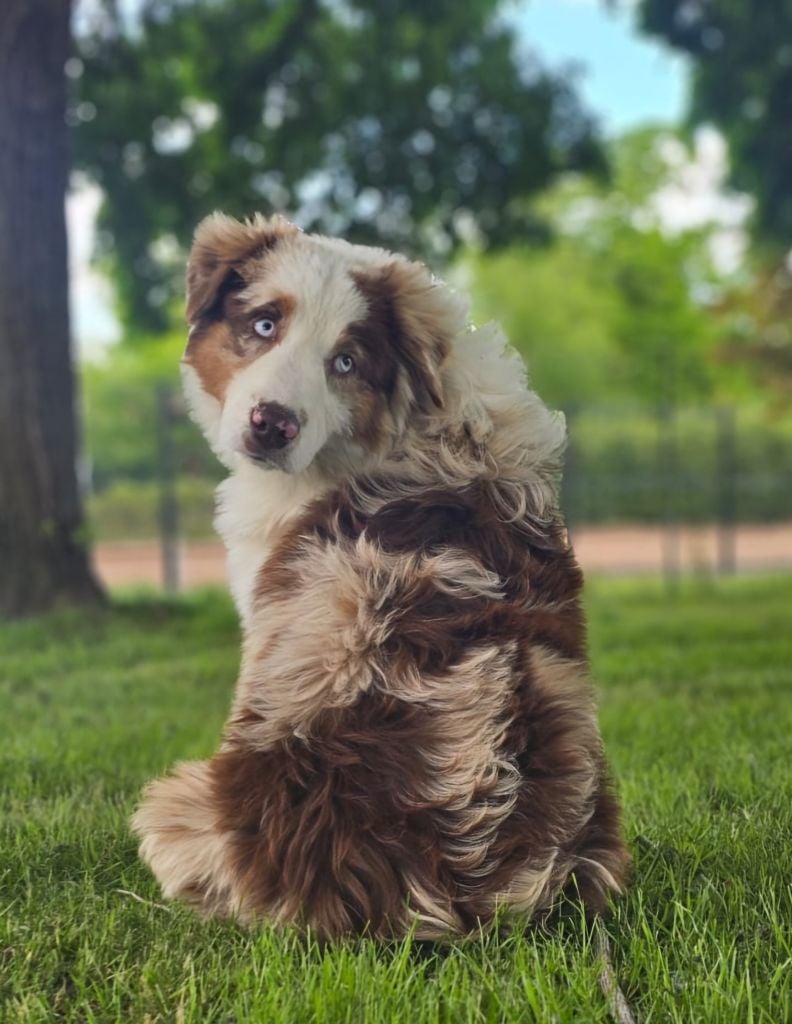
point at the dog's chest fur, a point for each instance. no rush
(252, 510)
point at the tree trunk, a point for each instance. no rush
(43, 558)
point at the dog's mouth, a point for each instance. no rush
(265, 459)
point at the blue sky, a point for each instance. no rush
(624, 78)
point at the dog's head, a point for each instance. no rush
(306, 350)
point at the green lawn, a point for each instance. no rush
(697, 718)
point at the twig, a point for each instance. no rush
(617, 1004)
(146, 903)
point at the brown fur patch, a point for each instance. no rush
(373, 343)
(220, 248)
(221, 340)
(415, 319)
(220, 347)
(325, 829)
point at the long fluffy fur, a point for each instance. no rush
(413, 741)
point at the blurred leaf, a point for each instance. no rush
(119, 398)
(610, 310)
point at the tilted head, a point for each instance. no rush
(308, 351)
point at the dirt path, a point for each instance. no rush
(603, 549)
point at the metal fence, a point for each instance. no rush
(668, 468)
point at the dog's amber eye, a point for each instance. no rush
(265, 327)
(343, 364)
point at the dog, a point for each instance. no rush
(413, 745)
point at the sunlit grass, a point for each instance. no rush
(697, 717)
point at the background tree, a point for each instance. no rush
(609, 312)
(410, 124)
(742, 83)
(757, 323)
(42, 550)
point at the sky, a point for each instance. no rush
(623, 78)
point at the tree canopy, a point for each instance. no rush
(612, 310)
(742, 82)
(418, 126)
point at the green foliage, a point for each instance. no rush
(625, 466)
(400, 122)
(665, 338)
(128, 509)
(609, 310)
(555, 312)
(742, 82)
(757, 323)
(608, 319)
(120, 414)
(696, 725)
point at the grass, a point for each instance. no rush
(697, 718)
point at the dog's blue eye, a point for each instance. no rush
(265, 327)
(343, 363)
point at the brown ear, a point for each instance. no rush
(427, 316)
(220, 247)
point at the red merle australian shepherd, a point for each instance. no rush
(413, 742)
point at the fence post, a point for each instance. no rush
(726, 489)
(667, 467)
(168, 501)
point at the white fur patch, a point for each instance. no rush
(253, 506)
(180, 839)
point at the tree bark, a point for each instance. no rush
(43, 557)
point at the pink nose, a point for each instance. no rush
(273, 426)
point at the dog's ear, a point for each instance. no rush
(220, 248)
(423, 315)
